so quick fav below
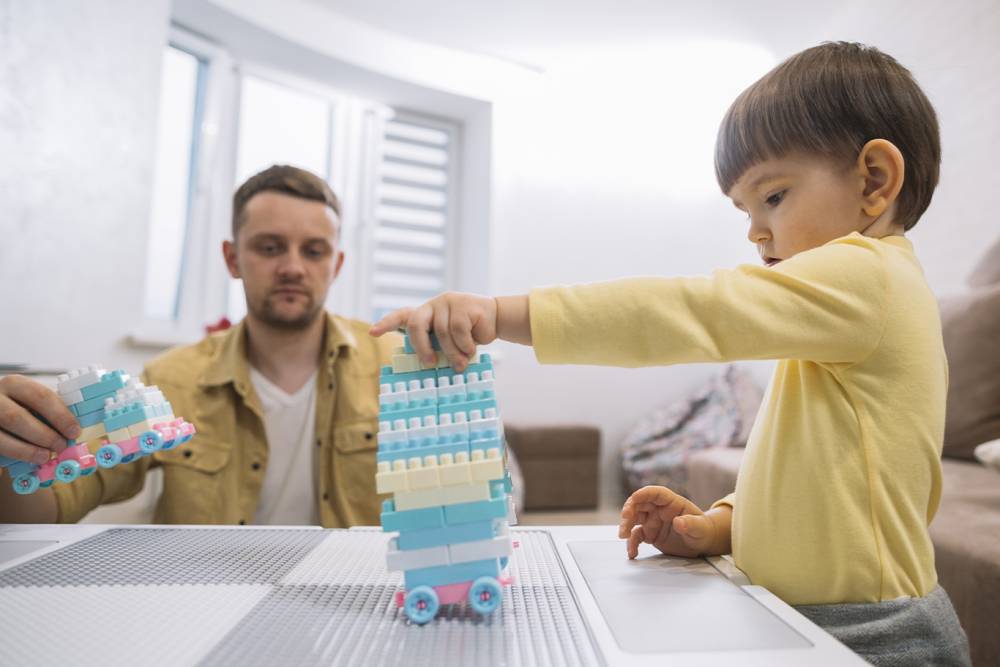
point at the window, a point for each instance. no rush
(180, 113)
(413, 211)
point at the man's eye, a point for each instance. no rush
(268, 248)
(776, 198)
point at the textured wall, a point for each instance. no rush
(79, 83)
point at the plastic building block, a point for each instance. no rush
(441, 454)
(106, 405)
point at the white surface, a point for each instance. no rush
(75, 603)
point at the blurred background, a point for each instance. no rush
(477, 146)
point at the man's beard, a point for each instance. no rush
(267, 314)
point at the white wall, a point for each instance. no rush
(567, 212)
(78, 95)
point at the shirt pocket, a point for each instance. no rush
(354, 447)
(195, 488)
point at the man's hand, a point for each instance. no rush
(460, 322)
(23, 435)
(674, 525)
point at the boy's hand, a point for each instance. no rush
(460, 322)
(673, 524)
(23, 435)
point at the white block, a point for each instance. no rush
(465, 552)
(415, 559)
(79, 378)
(405, 363)
(391, 477)
(452, 473)
(444, 495)
(72, 398)
(487, 468)
(424, 476)
(92, 432)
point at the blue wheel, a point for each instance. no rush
(421, 604)
(109, 456)
(26, 483)
(150, 441)
(68, 470)
(485, 595)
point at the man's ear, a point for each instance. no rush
(229, 255)
(882, 167)
(340, 263)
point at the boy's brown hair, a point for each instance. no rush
(285, 179)
(831, 100)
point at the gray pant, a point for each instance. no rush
(908, 631)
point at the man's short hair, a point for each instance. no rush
(830, 100)
(285, 179)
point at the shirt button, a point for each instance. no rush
(187, 453)
(326, 496)
(319, 443)
(255, 465)
(330, 387)
(368, 435)
(242, 522)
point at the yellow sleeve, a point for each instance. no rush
(823, 305)
(114, 485)
(729, 500)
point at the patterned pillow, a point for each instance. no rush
(718, 414)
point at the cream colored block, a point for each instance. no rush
(423, 476)
(453, 473)
(485, 468)
(391, 477)
(405, 363)
(92, 432)
(444, 495)
(119, 435)
(135, 430)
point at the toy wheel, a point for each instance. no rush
(26, 483)
(150, 441)
(67, 471)
(421, 604)
(109, 456)
(485, 595)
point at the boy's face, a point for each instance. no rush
(796, 203)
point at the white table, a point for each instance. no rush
(109, 595)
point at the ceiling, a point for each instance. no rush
(543, 34)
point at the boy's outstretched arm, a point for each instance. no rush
(674, 525)
(460, 321)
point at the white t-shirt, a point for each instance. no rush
(288, 495)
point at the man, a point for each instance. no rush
(285, 403)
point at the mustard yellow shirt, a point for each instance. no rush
(216, 477)
(842, 471)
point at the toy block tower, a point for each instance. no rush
(123, 418)
(441, 454)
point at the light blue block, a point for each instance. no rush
(90, 419)
(467, 407)
(421, 519)
(90, 405)
(408, 347)
(481, 510)
(389, 377)
(16, 468)
(454, 534)
(109, 384)
(404, 451)
(389, 415)
(132, 413)
(442, 575)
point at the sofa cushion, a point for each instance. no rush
(966, 535)
(712, 474)
(987, 271)
(971, 326)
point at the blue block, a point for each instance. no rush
(486, 444)
(407, 452)
(481, 510)
(91, 405)
(467, 407)
(442, 575)
(393, 521)
(408, 348)
(433, 537)
(389, 377)
(95, 417)
(132, 413)
(408, 413)
(109, 384)
(17, 468)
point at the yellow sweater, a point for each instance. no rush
(842, 471)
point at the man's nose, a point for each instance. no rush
(292, 264)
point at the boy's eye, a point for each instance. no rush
(776, 198)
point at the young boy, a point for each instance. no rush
(833, 155)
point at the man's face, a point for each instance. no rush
(286, 252)
(797, 203)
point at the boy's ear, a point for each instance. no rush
(882, 166)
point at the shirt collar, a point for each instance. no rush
(229, 364)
